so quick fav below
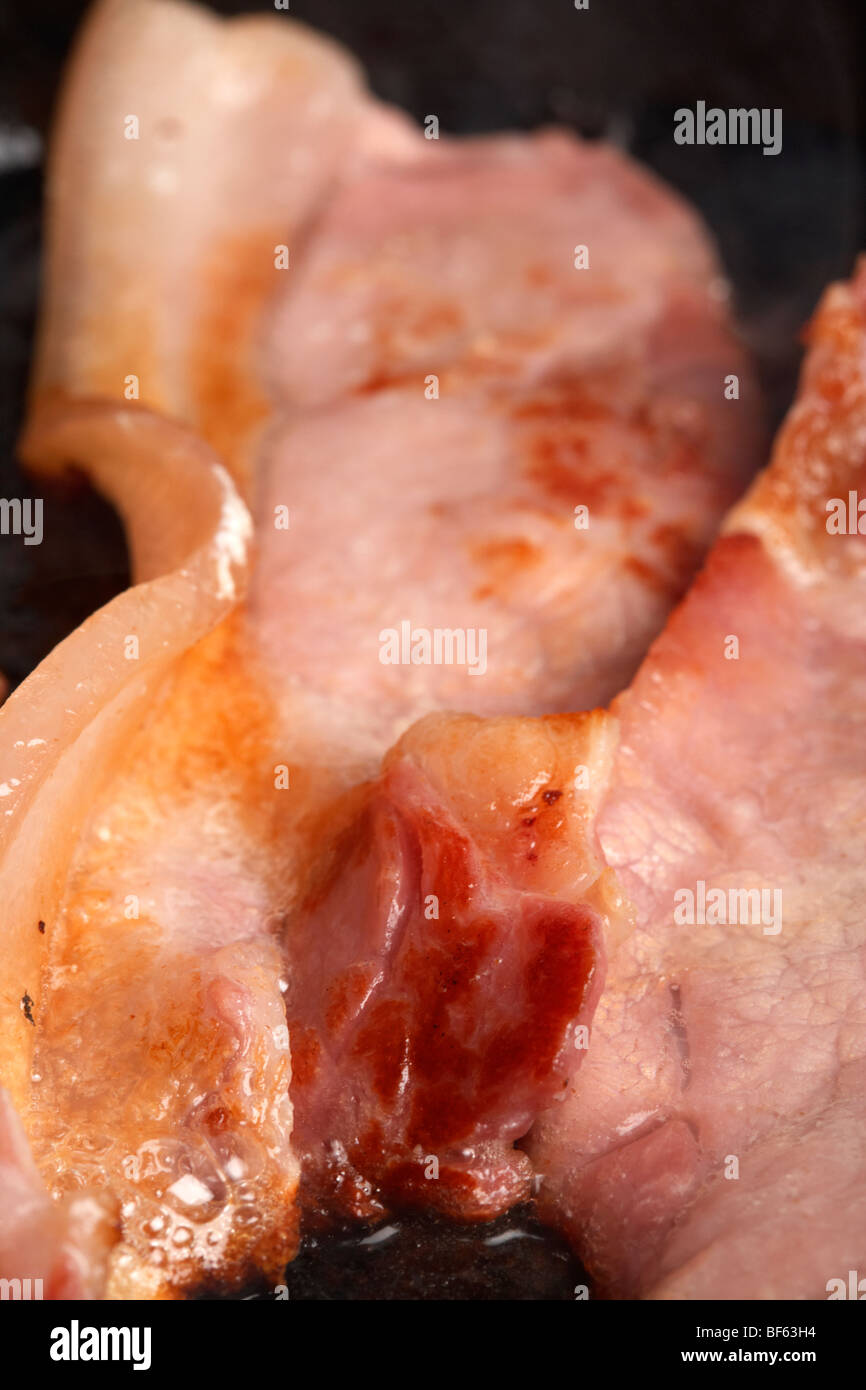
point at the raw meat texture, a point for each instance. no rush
(193, 820)
(445, 963)
(558, 389)
(460, 514)
(451, 271)
(458, 258)
(745, 1041)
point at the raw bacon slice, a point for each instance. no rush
(712, 1144)
(211, 829)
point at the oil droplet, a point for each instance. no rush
(247, 1216)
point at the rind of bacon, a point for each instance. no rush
(189, 536)
(156, 269)
(66, 728)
